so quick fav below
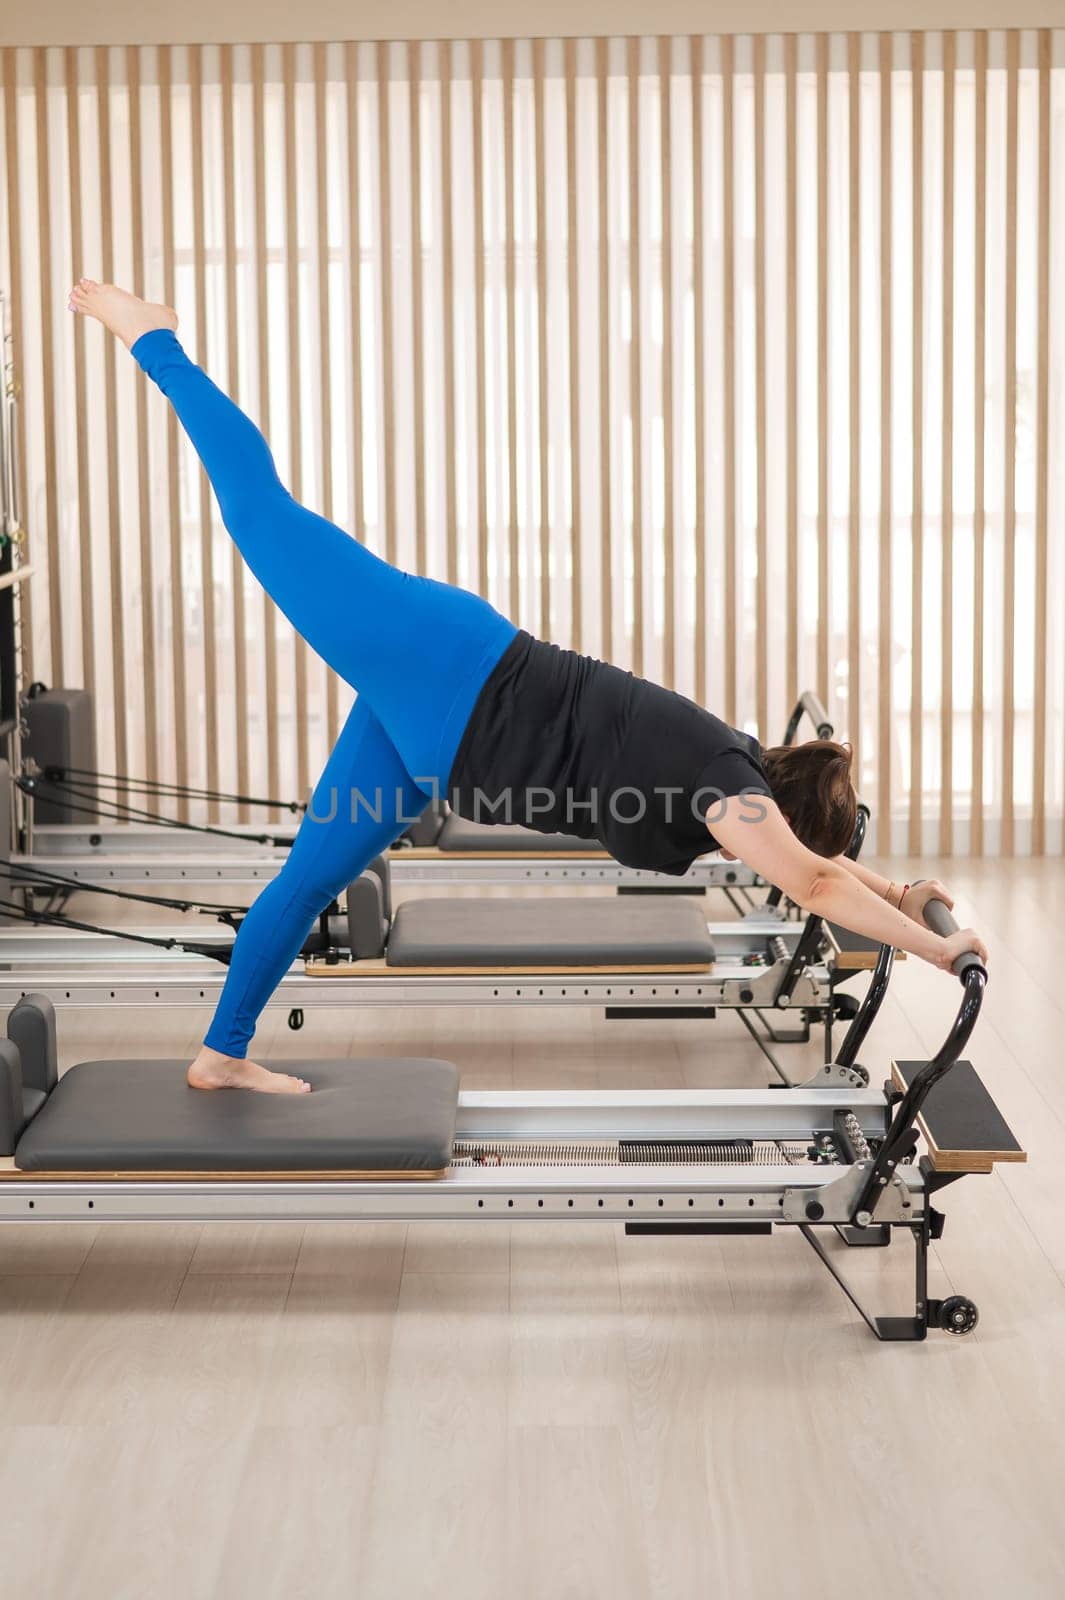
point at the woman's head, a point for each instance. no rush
(811, 784)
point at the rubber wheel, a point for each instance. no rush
(958, 1315)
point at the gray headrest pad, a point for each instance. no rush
(459, 833)
(560, 931)
(141, 1116)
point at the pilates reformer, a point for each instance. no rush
(121, 841)
(650, 956)
(395, 1140)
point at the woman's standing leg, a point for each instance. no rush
(365, 798)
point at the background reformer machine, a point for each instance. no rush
(95, 827)
(396, 1140)
(641, 956)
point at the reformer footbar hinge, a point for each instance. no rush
(837, 1202)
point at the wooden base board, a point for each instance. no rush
(854, 957)
(380, 969)
(957, 1160)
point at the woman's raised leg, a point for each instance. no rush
(419, 650)
(364, 799)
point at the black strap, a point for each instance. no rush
(156, 786)
(54, 919)
(39, 877)
(94, 808)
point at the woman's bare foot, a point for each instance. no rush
(212, 1070)
(127, 316)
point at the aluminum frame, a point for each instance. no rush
(140, 853)
(681, 1194)
(83, 969)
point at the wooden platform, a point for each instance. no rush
(854, 952)
(10, 1174)
(961, 1124)
(377, 967)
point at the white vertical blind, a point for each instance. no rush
(739, 360)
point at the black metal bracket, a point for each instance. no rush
(889, 1329)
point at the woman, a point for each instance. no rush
(453, 697)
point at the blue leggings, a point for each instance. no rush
(418, 653)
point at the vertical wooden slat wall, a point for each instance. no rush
(979, 249)
(761, 603)
(823, 623)
(116, 620)
(885, 609)
(1042, 461)
(657, 406)
(665, 93)
(207, 578)
(854, 348)
(635, 233)
(542, 379)
(144, 508)
(916, 795)
(51, 400)
(731, 345)
(791, 444)
(606, 487)
(173, 515)
(1009, 471)
(81, 417)
(325, 333)
(946, 693)
(699, 364)
(271, 716)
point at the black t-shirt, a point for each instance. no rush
(565, 744)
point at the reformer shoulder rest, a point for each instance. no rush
(365, 1118)
(439, 829)
(460, 836)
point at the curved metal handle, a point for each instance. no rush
(861, 828)
(899, 1139)
(817, 714)
(867, 1012)
(809, 704)
(938, 917)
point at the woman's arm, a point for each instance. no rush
(910, 898)
(754, 828)
(871, 879)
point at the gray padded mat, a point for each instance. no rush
(556, 932)
(458, 833)
(141, 1116)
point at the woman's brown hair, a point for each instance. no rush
(811, 784)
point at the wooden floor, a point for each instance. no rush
(383, 1412)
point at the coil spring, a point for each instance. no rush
(624, 1153)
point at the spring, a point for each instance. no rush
(625, 1153)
